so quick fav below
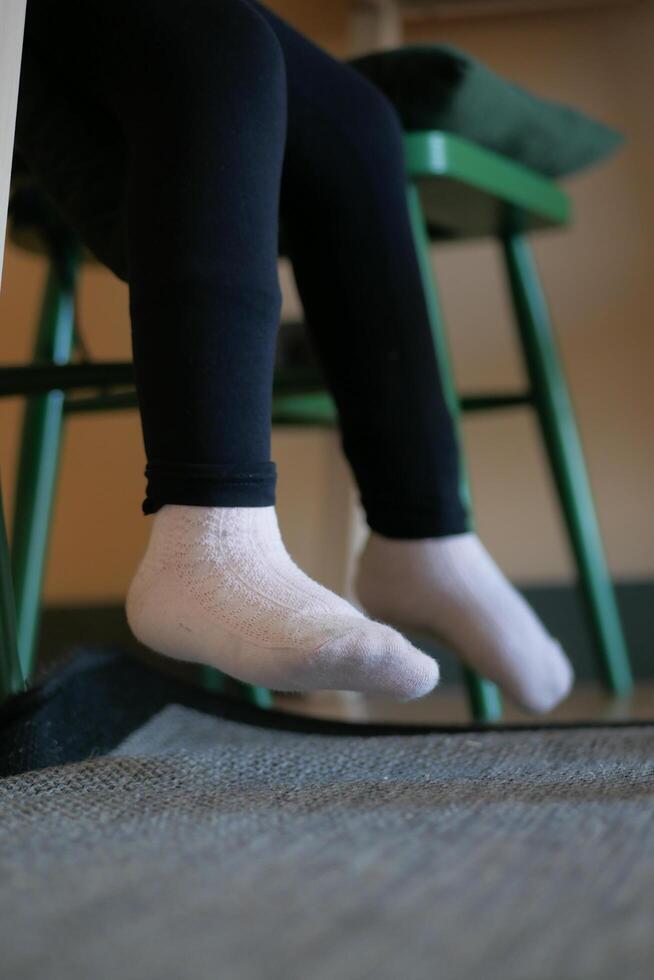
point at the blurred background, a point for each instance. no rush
(599, 276)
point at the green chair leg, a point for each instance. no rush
(567, 462)
(214, 680)
(39, 456)
(11, 675)
(259, 696)
(484, 697)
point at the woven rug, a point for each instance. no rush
(205, 848)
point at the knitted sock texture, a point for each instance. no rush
(217, 586)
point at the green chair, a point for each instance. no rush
(455, 189)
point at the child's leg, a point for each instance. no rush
(198, 90)
(344, 209)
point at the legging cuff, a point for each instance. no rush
(415, 520)
(209, 485)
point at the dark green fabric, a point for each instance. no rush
(439, 87)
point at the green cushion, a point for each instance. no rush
(439, 87)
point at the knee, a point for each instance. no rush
(372, 117)
(216, 42)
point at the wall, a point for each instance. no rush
(600, 283)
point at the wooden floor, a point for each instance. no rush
(448, 706)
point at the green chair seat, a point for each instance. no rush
(479, 193)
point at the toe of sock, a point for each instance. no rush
(554, 684)
(420, 672)
(374, 658)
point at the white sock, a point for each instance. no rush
(217, 586)
(451, 588)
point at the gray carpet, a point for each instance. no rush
(208, 849)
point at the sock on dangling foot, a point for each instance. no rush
(217, 586)
(451, 588)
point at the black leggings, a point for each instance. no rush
(199, 123)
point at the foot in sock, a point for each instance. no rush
(217, 586)
(451, 588)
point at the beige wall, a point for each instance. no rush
(599, 276)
